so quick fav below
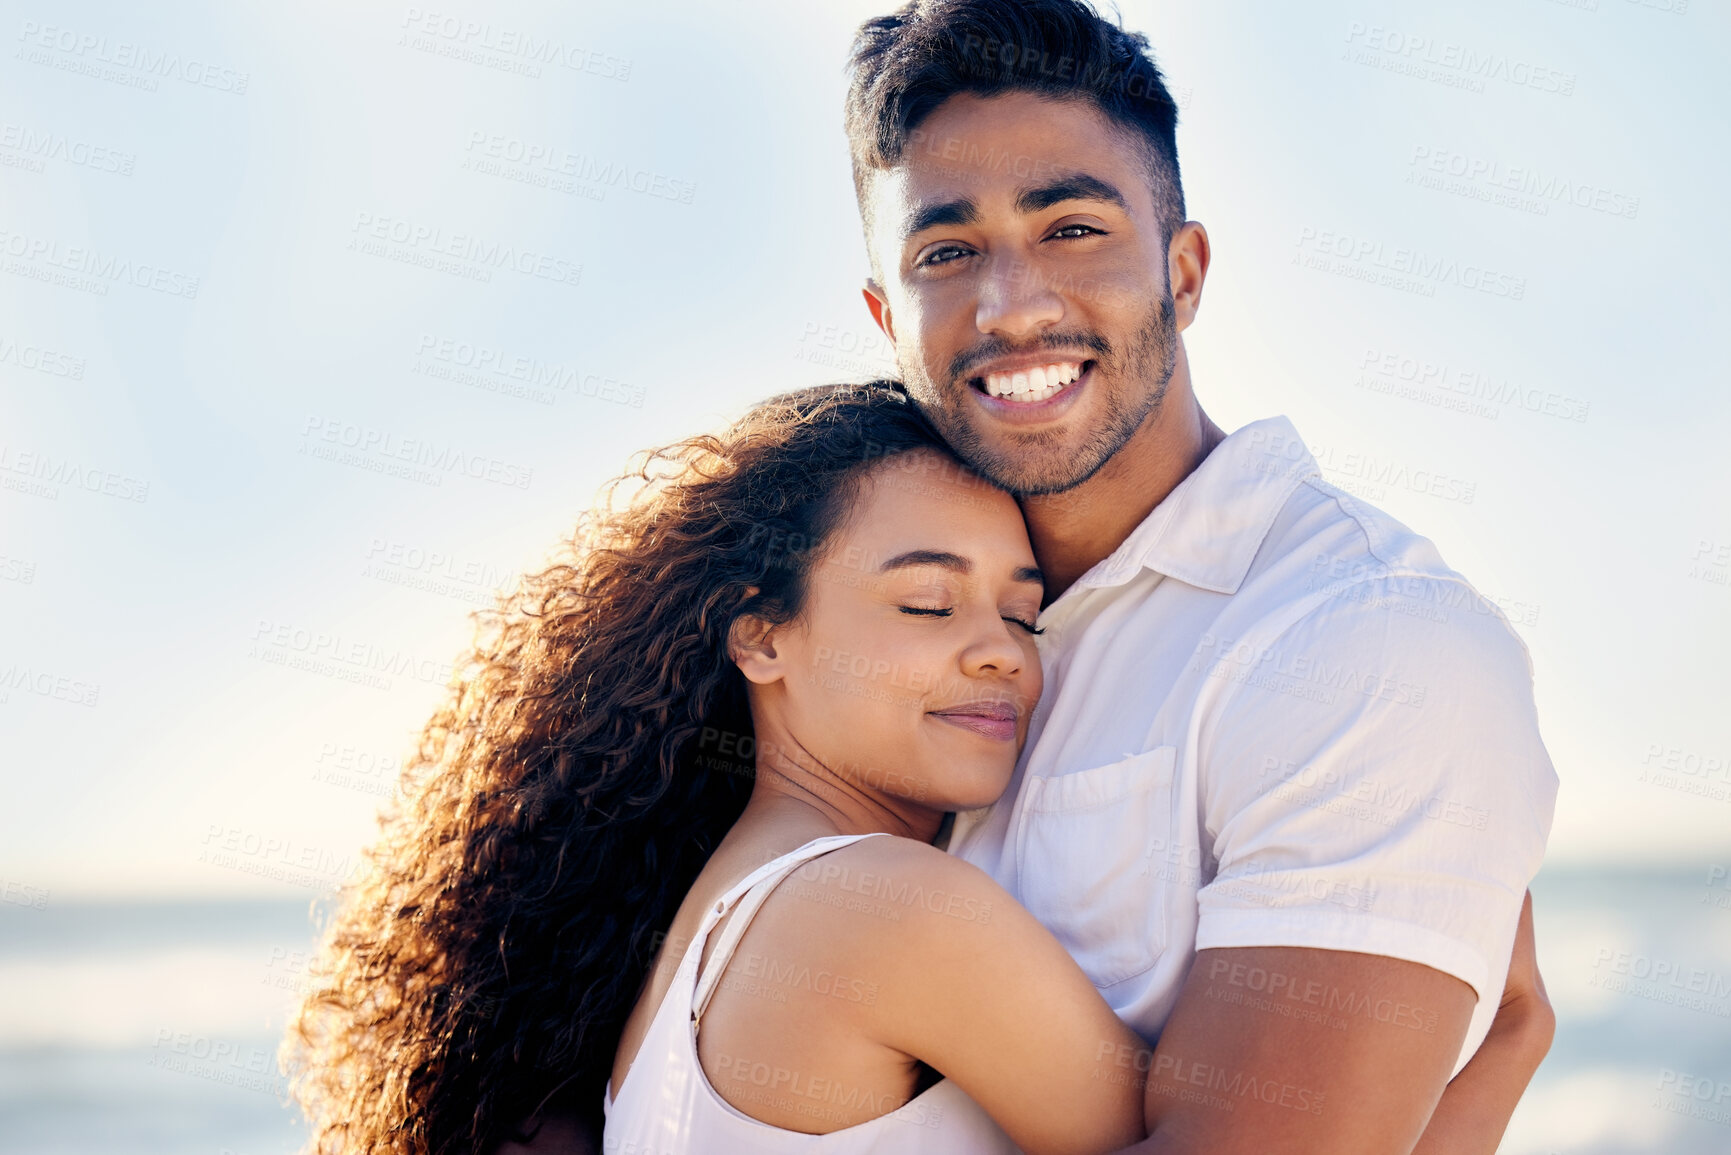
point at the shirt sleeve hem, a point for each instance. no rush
(1358, 933)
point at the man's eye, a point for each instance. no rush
(926, 611)
(1029, 626)
(943, 255)
(1079, 231)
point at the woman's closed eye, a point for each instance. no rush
(928, 611)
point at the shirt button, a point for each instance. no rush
(719, 907)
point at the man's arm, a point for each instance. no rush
(1372, 843)
(1299, 1050)
(1243, 1070)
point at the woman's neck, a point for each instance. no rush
(814, 800)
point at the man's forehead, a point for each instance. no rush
(997, 151)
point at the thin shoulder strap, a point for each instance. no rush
(749, 895)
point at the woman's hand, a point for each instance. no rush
(1477, 1104)
(1526, 1008)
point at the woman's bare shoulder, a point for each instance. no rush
(885, 893)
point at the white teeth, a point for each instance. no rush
(1033, 384)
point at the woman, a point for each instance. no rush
(719, 738)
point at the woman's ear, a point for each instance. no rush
(751, 645)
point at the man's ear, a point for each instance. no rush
(751, 643)
(880, 308)
(1187, 264)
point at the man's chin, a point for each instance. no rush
(1025, 460)
(1028, 464)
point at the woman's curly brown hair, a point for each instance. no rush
(559, 805)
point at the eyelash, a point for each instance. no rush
(931, 259)
(931, 613)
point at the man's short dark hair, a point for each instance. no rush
(904, 65)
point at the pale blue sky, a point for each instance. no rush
(733, 272)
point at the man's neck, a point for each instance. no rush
(1073, 530)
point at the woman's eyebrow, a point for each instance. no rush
(956, 562)
(937, 557)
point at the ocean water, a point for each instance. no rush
(149, 1029)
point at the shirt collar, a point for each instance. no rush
(1207, 530)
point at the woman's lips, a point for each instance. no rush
(996, 722)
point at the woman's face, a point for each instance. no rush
(911, 672)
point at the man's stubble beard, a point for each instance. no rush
(1152, 356)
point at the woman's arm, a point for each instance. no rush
(986, 996)
(969, 983)
(960, 977)
(1476, 1107)
(1011, 1018)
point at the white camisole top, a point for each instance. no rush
(668, 1107)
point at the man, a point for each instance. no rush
(1285, 790)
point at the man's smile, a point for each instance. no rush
(1026, 379)
(1039, 390)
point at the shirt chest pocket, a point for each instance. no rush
(1086, 861)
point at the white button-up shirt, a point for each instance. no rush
(1274, 717)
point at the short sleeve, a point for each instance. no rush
(1373, 780)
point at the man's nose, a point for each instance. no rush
(1016, 300)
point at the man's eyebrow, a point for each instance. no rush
(1032, 199)
(1074, 187)
(956, 562)
(960, 211)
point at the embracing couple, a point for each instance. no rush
(1005, 758)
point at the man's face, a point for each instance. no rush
(1024, 284)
